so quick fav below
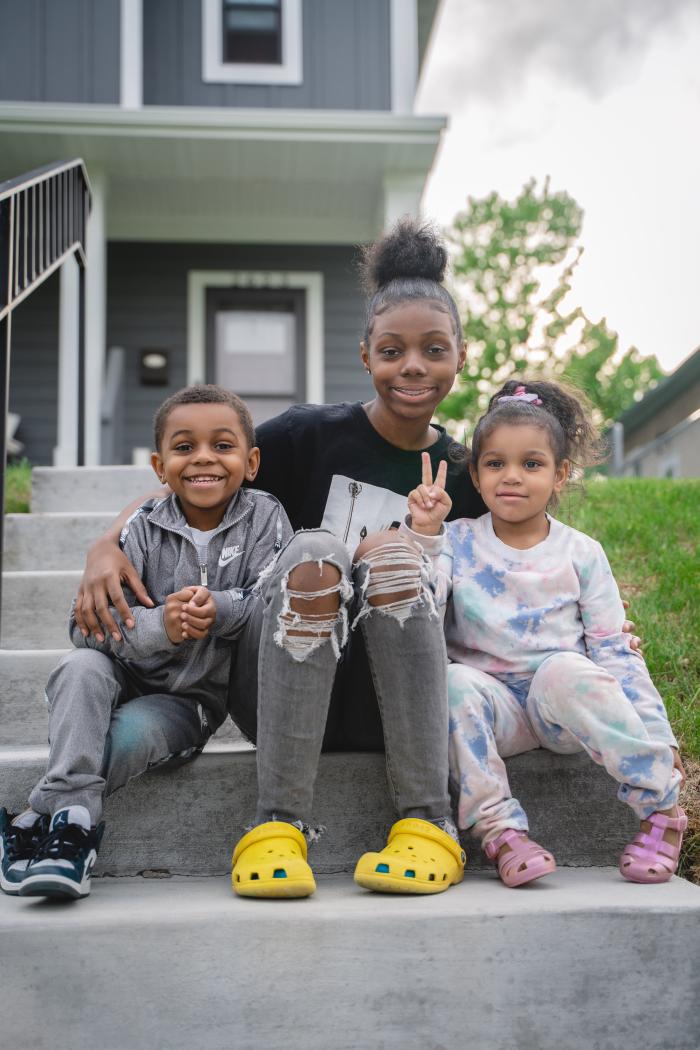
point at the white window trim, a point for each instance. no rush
(311, 283)
(215, 71)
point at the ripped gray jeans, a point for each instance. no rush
(405, 651)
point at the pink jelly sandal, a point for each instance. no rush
(648, 858)
(525, 862)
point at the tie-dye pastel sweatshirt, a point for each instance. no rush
(507, 610)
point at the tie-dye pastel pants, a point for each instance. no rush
(570, 704)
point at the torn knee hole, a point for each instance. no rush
(396, 581)
(313, 609)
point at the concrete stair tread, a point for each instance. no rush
(102, 489)
(35, 607)
(576, 962)
(55, 540)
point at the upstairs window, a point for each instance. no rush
(252, 41)
(252, 32)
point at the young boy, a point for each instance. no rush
(116, 708)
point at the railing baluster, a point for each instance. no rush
(54, 220)
(15, 248)
(25, 233)
(71, 231)
(45, 225)
(65, 239)
(32, 239)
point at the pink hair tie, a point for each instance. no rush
(521, 394)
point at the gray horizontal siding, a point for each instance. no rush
(346, 59)
(59, 50)
(34, 370)
(147, 307)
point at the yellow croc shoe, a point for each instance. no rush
(270, 861)
(418, 858)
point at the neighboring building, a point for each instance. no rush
(661, 433)
(237, 153)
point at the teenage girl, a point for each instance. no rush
(350, 650)
(534, 633)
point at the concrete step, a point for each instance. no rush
(35, 607)
(89, 488)
(580, 961)
(186, 820)
(50, 541)
(23, 711)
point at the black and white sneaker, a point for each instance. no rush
(17, 847)
(63, 861)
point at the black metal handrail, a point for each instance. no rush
(43, 221)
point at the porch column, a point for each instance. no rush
(404, 54)
(402, 196)
(95, 316)
(65, 454)
(131, 54)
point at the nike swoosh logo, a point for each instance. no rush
(228, 554)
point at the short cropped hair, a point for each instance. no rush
(203, 394)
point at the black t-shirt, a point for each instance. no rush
(329, 467)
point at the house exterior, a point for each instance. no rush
(237, 153)
(661, 433)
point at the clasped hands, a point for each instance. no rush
(189, 613)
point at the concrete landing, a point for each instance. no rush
(186, 820)
(580, 961)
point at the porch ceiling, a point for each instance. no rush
(243, 175)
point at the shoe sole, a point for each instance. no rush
(10, 888)
(281, 889)
(519, 881)
(52, 886)
(395, 884)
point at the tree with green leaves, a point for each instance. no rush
(512, 263)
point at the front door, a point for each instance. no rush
(255, 342)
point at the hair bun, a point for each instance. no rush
(411, 248)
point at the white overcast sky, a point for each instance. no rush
(604, 97)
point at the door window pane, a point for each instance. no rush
(256, 352)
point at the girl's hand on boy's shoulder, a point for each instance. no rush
(429, 504)
(189, 613)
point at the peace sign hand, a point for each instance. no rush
(429, 504)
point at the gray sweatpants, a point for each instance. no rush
(101, 733)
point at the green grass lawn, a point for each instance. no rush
(650, 529)
(18, 480)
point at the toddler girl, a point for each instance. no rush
(534, 635)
